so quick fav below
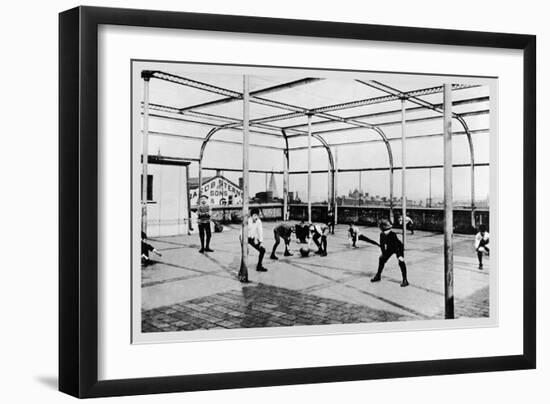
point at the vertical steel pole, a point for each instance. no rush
(430, 188)
(189, 224)
(309, 168)
(145, 154)
(335, 185)
(448, 199)
(360, 185)
(403, 171)
(329, 186)
(391, 194)
(243, 272)
(333, 197)
(199, 191)
(160, 202)
(329, 183)
(285, 184)
(473, 196)
(179, 200)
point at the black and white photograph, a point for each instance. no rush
(284, 201)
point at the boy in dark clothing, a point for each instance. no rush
(330, 220)
(146, 249)
(204, 213)
(302, 232)
(389, 245)
(354, 234)
(281, 231)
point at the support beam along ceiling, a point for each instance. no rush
(259, 125)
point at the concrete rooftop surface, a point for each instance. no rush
(187, 290)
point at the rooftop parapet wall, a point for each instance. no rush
(429, 219)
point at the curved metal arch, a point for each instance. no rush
(321, 140)
(332, 201)
(286, 176)
(325, 144)
(327, 148)
(390, 163)
(462, 121)
(207, 138)
(472, 166)
(285, 137)
(389, 149)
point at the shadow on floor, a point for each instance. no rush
(51, 382)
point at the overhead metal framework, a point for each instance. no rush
(320, 124)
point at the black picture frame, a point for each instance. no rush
(78, 200)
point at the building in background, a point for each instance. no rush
(270, 195)
(168, 211)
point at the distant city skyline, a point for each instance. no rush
(377, 186)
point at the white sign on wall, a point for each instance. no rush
(220, 191)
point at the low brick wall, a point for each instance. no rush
(429, 219)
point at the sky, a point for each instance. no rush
(328, 91)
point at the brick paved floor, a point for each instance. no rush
(269, 306)
(186, 290)
(260, 306)
(475, 306)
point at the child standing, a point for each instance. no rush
(481, 244)
(204, 213)
(330, 219)
(389, 245)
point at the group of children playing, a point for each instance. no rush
(389, 243)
